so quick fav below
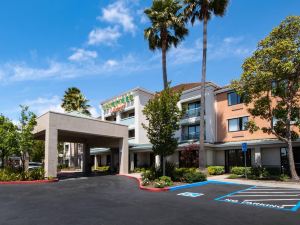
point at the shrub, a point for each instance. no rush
(192, 177)
(240, 170)
(149, 174)
(233, 176)
(216, 170)
(179, 172)
(145, 182)
(284, 177)
(140, 169)
(103, 168)
(159, 184)
(14, 175)
(62, 166)
(167, 180)
(36, 174)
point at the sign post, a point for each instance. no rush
(244, 150)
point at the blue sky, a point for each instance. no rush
(98, 46)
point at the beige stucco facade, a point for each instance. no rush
(58, 127)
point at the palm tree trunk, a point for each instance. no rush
(164, 58)
(202, 153)
(165, 80)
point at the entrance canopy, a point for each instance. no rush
(56, 127)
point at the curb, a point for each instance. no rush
(139, 180)
(29, 181)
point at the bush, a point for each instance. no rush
(15, 175)
(233, 176)
(103, 168)
(284, 177)
(192, 177)
(36, 174)
(216, 170)
(140, 170)
(240, 170)
(149, 174)
(179, 172)
(167, 180)
(62, 166)
(145, 182)
(159, 184)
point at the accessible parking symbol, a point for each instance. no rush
(190, 194)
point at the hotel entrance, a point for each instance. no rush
(235, 157)
(285, 160)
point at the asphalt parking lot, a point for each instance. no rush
(116, 200)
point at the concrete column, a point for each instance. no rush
(131, 161)
(124, 156)
(157, 161)
(95, 162)
(257, 156)
(86, 167)
(51, 152)
(118, 117)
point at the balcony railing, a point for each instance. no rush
(128, 121)
(192, 113)
(190, 136)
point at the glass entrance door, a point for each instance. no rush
(235, 157)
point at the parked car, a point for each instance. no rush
(34, 165)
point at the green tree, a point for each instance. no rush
(163, 118)
(167, 29)
(26, 139)
(74, 100)
(270, 83)
(8, 139)
(38, 151)
(203, 10)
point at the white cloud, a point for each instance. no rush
(219, 49)
(21, 71)
(111, 63)
(42, 105)
(106, 36)
(82, 55)
(118, 13)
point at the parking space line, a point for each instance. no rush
(272, 199)
(277, 198)
(275, 192)
(263, 195)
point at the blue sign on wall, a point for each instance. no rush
(244, 147)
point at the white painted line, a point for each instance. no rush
(263, 200)
(272, 189)
(288, 205)
(262, 195)
(275, 192)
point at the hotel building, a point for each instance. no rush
(225, 132)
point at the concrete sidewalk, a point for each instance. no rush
(267, 183)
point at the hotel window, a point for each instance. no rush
(237, 124)
(131, 134)
(194, 105)
(194, 132)
(234, 98)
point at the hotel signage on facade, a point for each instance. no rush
(119, 103)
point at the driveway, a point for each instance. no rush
(116, 200)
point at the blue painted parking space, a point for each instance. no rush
(268, 197)
(190, 194)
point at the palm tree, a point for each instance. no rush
(167, 29)
(74, 100)
(203, 10)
